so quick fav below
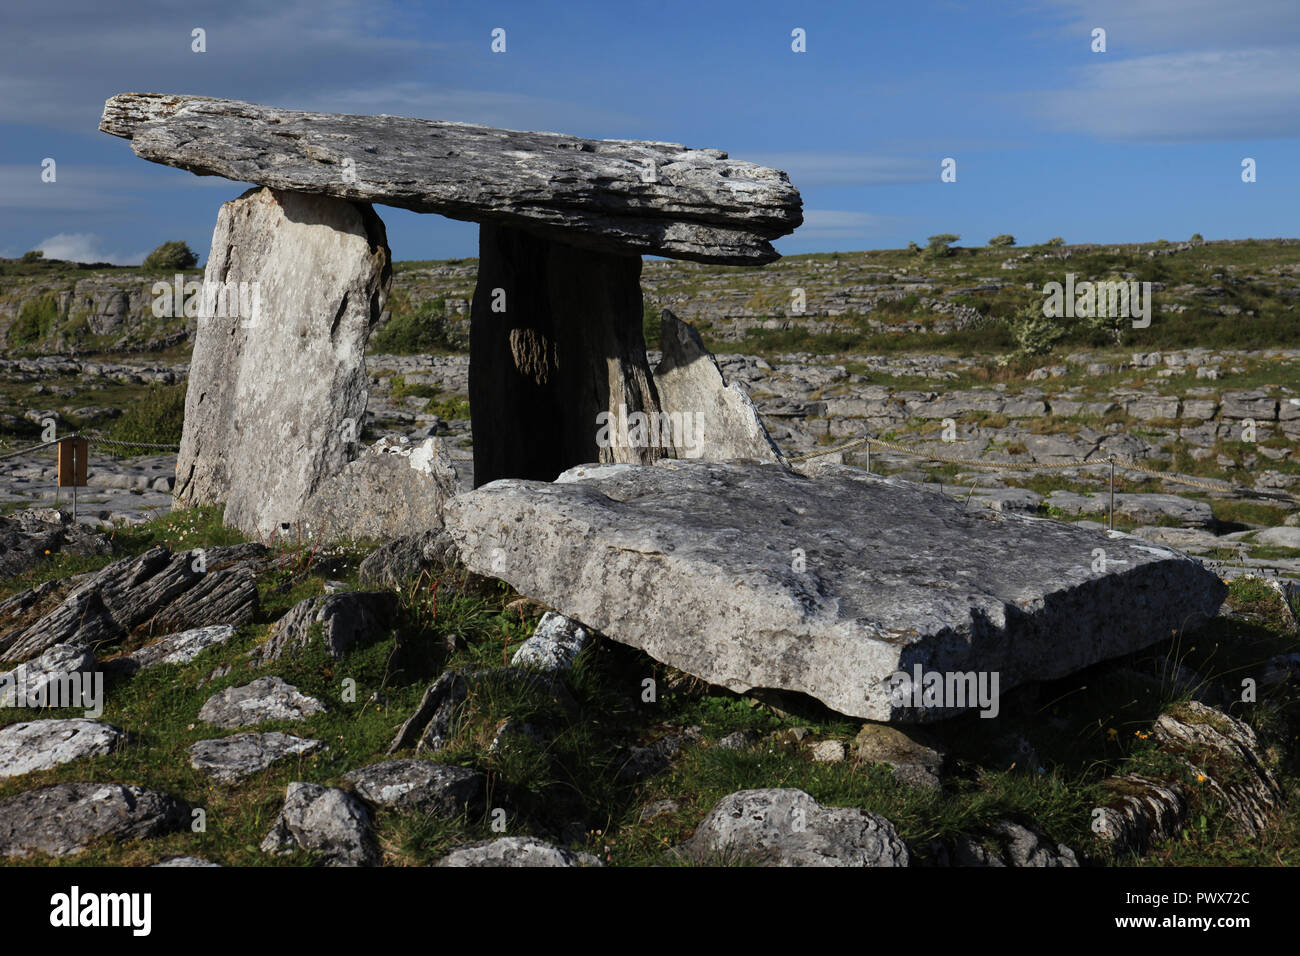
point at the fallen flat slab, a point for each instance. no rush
(749, 576)
(632, 196)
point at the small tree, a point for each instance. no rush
(939, 245)
(1196, 237)
(913, 247)
(1035, 333)
(1006, 239)
(171, 257)
(1055, 241)
(33, 255)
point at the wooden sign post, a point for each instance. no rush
(74, 457)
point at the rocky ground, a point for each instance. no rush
(383, 703)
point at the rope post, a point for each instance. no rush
(1112, 494)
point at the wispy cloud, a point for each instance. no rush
(1210, 95)
(821, 225)
(85, 247)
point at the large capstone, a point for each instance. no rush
(855, 589)
(277, 387)
(628, 196)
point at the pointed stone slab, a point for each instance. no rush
(710, 419)
(627, 196)
(278, 390)
(751, 576)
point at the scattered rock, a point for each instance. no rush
(65, 818)
(554, 645)
(394, 488)
(34, 679)
(1143, 812)
(516, 851)
(345, 619)
(739, 740)
(1017, 846)
(29, 537)
(399, 562)
(265, 699)
(422, 786)
(916, 760)
(829, 751)
(229, 760)
(42, 744)
(324, 820)
(787, 827)
(188, 861)
(660, 808)
(178, 648)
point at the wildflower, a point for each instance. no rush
(1112, 733)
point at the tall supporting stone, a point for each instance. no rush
(555, 340)
(277, 386)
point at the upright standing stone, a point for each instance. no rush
(555, 340)
(277, 390)
(711, 420)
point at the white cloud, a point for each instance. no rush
(823, 224)
(1211, 95)
(1162, 25)
(85, 247)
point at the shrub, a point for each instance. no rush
(33, 255)
(1033, 332)
(154, 418)
(1055, 241)
(171, 257)
(939, 245)
(426, 329)
(35, 320)
(913, 247)
(1006, 239)
(1196, 237)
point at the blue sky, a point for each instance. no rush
(1143, 141)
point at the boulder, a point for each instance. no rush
(29, 537)
(345, 619)
(179, 648)
(750, 576)
(159, 589)
(34, 678)
(65, 818)
(325, 821)
(914, 759)
(400, 561)
(421, 786)
(516, 851)
(787, 827)
(229, 760)
(709, 419)
(554, 644)
(277, 390)
(265, 699)
(629, 196)
(395, 488)
(42, 744)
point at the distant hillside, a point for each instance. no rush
(1239, 293)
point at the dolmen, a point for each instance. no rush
(649, 505)
(299, 271)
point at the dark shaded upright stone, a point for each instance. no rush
(567, 347)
